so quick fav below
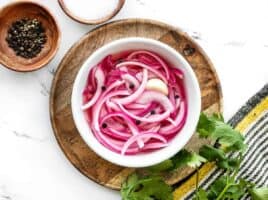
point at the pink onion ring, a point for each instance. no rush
(141, 136)
(159, 74)
(137, 93)
(124, 114)
(99, 76)
(156, 57)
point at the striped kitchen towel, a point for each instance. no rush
(252, 121)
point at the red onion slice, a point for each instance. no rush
(133, 128)
(99, 76)
(151, 119)
(148, 97)
(137, 93)
(159, 74)
(156, 145)
(97, 107)
(131, 80)
(116, 133)
(141, 136)
(156, 57)
(153, 96)
(136, 106)
(180, 118)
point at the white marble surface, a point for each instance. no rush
(233, 33)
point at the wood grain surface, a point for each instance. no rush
(75, 149)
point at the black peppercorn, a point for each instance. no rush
(104, 125)
(103, 88)
(152, 112)
(119, 61)
(131, 86)
(138, 122)
(26, 37)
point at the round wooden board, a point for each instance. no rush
(79, 154)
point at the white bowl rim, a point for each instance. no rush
(139, 160)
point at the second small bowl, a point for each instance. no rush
(32, 10)
(103, 19)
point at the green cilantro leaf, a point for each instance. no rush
(185, 157)
(128, 185)
(201, 195)
(235, 191)
(215, 128)
(219, 157)
(211, 153)
(161, 167)
(182, 158)
(196, 160)
(259, 193)
(145, 188)
(227, 188)
(206, 125)
(217, 187)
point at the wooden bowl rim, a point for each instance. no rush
(69, 13)
(12, 5)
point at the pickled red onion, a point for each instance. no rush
(99, 76)
(126, 117)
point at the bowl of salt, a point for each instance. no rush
(91, 11)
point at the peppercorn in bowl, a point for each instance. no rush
(29, 36)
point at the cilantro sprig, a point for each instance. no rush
(227, 155)
(145, 188)
(181, 159)
(214, 127)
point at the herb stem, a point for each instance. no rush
(238, 167)
(223, 191)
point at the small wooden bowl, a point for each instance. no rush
(93, 21)
(28, 9)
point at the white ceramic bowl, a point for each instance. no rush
(192, 92)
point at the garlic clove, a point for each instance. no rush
(157, 85)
